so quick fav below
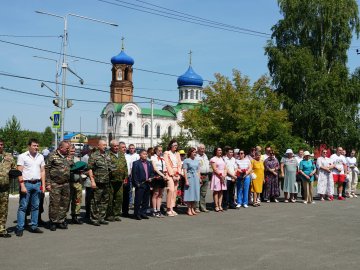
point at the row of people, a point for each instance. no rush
(112, 175)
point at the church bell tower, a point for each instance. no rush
(121, 87)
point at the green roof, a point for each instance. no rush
(184, 106)
(157, 112)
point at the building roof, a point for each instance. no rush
(70, 135)
(157, 112)
(122, 58)
(190, 78)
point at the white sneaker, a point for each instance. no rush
(354, 195)
(276, 201)
(305, 202)
(313, 202)
(246, 206)
(238, 205)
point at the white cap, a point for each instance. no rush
(307, 153)
(237, 150)
(289, 151)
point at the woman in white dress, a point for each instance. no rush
(353, 172)
(325, 180)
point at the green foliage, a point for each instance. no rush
(307, 61)
(16, 139)
(182, 140)
(237, 114)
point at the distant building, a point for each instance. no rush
(75, 138)
(126, 121)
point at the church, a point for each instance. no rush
(124, 120)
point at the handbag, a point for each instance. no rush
(253, 176)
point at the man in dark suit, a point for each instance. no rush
(142, 172)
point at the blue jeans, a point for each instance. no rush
(33, 196)
(242, 189)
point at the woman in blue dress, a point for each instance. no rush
(307, 170)
(192, 181)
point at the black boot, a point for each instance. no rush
(75, 220)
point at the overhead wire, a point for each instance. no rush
(90, 60)
(179, 19)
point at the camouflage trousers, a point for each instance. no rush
(76, 198)
(115, 199)
(4, 206)
(59, 202)
(99, 201)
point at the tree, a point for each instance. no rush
(47, 137)
(12, 135)
(237, 114)
(182, 140)
(307, 61)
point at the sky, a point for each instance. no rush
(155, 43)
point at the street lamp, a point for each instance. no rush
(64, 65)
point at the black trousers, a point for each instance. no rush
(142, 194)
(126, 198)
(88, 192)
(229, 194)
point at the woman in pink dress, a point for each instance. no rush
(218, 183)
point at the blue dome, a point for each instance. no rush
(190, 78)
(122, 58)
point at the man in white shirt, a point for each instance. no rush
(32, 166)
(339, 171)
(231, 166)
(204, 178)
(127, 188)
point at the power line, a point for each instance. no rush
(77, 86)
(171, 16)
(204, 19)
(88, 59)
(33, 36)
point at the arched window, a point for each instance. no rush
(110, 137)
(146, 131)
(119, 75)
(158, 132)
(197, 94)
(186, 94)
(192, 94)
(170, 131)
(181, 95)
(130, 133)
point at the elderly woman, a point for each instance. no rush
(218, 183)
(257, 184)
(353, 173)
(325, 183)
(271, 186)
(288, 171)
(191, 169)
(243, 180)
(173, 166)
(307, 170)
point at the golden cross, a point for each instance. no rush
(122, 43)
(190, 54)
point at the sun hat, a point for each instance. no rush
(182, 152)
(289, 151)
(307, 153)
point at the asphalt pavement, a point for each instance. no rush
(273, 236)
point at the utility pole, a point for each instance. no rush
(152, 122)
(64, 65)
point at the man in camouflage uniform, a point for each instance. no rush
(119, 173)
(99, 169)
(75, 188)
(57, 171)
(6, 163)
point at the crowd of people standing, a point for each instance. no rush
(111, 178)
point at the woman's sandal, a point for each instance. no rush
(217, 209)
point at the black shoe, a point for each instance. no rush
(117, 219)
(104, 222)
(144, 216)
(5, 235)
(19, 233)
(52, 227)
(125, 215)
(138, 217)
(36, 230)
(111, 219)
(62, 226)
(95, 223)
(75, 220)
